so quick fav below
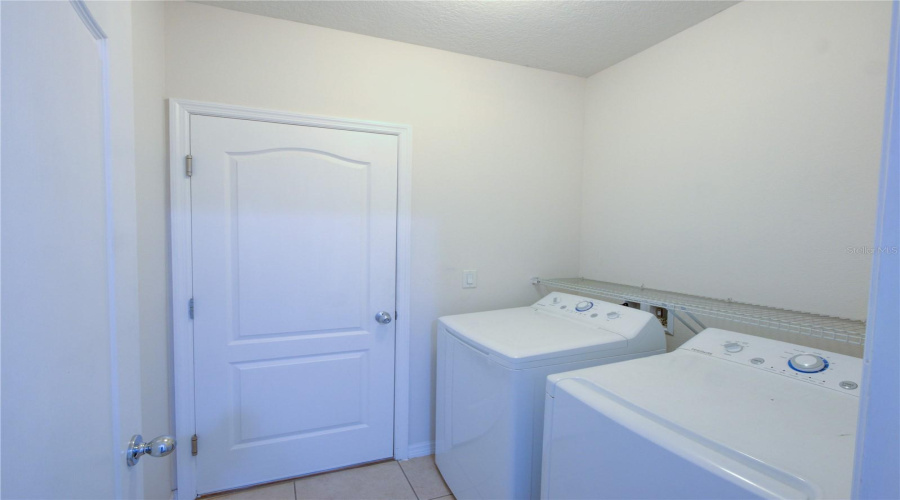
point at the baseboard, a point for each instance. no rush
(422, 449)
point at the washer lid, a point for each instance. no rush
(790, 424)
(523, 335)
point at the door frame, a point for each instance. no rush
(180, 112)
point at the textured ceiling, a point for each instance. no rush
(573, 37)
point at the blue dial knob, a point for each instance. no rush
(808, 363)
(584, 306)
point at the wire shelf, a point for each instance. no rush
(813, 325)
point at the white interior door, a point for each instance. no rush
(70, 379)
(294, 253)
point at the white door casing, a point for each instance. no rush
(71, 389)
(878, 436)
(291, 234)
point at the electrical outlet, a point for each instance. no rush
(470, 278)
(662, 314)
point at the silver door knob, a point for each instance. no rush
(383, 317)
(159, 447)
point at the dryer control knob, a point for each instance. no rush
(733, 347)
(808, 363)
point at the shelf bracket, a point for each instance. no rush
(685, 323)
(696, 320)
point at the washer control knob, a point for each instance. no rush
(808, 363)
(612, 315)
(757, 361)
(848, 385)
(556, 300)
(584, 305)
(733, 347)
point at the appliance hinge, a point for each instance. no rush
(194, 445)
(189, 165)
(191, 308)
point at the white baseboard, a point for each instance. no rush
(422, 449)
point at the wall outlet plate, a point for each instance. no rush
(470, 278)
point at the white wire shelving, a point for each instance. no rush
(813, 325)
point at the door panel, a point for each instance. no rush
(265, 412)
(274, 253)
(294, 251)
(71, 398)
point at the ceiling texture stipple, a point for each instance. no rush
(573, 37)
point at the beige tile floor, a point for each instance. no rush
(416, 479)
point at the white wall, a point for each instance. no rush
(740, 157)
(496, 154)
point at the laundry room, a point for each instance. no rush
(452, 249)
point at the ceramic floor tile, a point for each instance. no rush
(280, 491)
(425, 478)
(384, 481)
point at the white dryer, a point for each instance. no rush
(727, 415)
(491, 372)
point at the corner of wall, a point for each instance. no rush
(421, 449)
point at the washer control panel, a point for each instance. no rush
(822, 368)
(593, 312)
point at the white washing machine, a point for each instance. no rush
(491, 372)
(727, 415)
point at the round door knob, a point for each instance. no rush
(808, 363)
(159, 447)
(383, 317)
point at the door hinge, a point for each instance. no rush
(194, 445)
(191, 308)
(189, 165)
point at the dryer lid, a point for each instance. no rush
(525, 335)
